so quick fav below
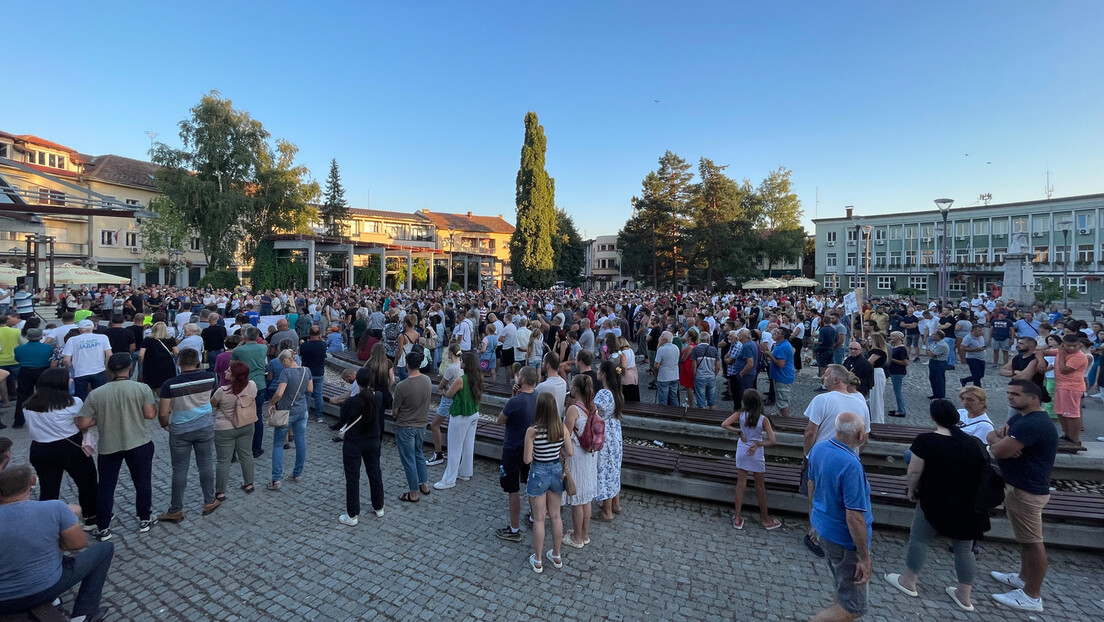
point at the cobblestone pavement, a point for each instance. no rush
(283, 556)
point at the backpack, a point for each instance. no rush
(303, 325)
(593, 437)
(990, 488)
(245, 410)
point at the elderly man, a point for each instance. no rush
(842, 516)
(184, 410)
(283, 333)
(87, 354)
(667, 372)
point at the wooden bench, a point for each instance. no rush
(42, 613)
(655, 411)
(332, 391)
(650, 458)
(348, 356)
(706, 416)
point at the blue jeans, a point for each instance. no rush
(317, 395)
(898, 381)
(667, 392)
(89, 568)
(400, 373)
(298, 426)
(937, 376)
(950, 351)
(180, 449)
(839, 354)
(409, 442)
(258, 428)
(82, 385)
(705, 392)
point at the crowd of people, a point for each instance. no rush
(86, 386)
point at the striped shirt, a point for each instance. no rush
(190, 393)
(544, 450)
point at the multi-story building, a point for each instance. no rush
(484, 238)
(603, 263)
(1066, 236)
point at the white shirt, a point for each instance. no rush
(194, 342)
(979, 426)
(824, 408)
(87, 351)
(54, 425)
(521, 343)
(508, 336)
(557, 388)
(59, 333)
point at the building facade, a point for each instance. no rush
(603, 263)
(905, 250)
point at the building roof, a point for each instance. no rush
(119, 170)
(468, 222)
(382, 214)
(31, 139)
(1039, 203)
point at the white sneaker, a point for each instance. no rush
(1016, 599)
(444, 486)
(462, 478)
(345, 519)
(379, 513)
(1011, 579)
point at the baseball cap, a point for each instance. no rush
(34, 334)
(84, 324)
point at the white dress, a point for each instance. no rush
(609, 457)
(583, 465)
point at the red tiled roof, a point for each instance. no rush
(382, 214)
(468, 222)
(117, 169)
(35, 140)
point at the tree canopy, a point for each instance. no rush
(334, 210)
(568, 251)
(531, 256)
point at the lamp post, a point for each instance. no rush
(944, 206)
(866, 229)
(858, 220)
(620, 256)
(1065, 226)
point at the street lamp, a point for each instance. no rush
(858, 220)
(620, 255)
(1064, 225)
(944, 206)
(866, 229)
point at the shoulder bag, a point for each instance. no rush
(568, 480)
(279, 417)
(245, 410)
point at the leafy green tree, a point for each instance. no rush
(781, 209)
(420, 272)
(335, 210)
(568, 250)
(1048, 290)
(782, 245)
(221, 279)
(717, 223)
(655, 234)
(231, 186)
(263, 275)
(161, 235)
(531, 257)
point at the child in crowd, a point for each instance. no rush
(752, 426)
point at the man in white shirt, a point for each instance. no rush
(521, 343)
(463, 332)
(553, 384)
(508, 341)
(56, 337)
(87, 355)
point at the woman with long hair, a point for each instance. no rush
(383, 373)
(450, 372)
(362, 416)
(583, 464)
(755, 433)
(610, 347)
(534, 354)
(293, 387)
(234, 431)
(406, 342)
(610, 402)
(465, 391)
(544, 446)
(157, 357)
(943, 477)
(51, 414)
(898, 369)
(626, 366)
(878, 357)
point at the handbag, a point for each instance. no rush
(279, 417)
(568, 481)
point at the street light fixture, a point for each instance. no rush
(620, 278)
(944, 206)
(866, 229)
(1064, 225)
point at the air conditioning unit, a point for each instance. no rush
(1037, 234)
(960, 237)
(880, 242)
(135, 251)
(850, 242)
(999, 235)
(831, 243)
(926, 240)
(1083, 230)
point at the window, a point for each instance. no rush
(195, 245)
(981, 255)
(850, 234)
(1019, 224)
(850, 260)
(895, 258)
(962, 229)
(918, 282)
(885, 282)
(998, 254)
(880, 234)
(133, 202)
(1060, 253)
(4, 150)
(51, 197)
(910, 258)
(962, 255)
(61, 162)
(1042, 253)
(131, 239)
(109, 237)
(1000, 227)
(981, 227)
(910, 232)
(831, 281)
(1076, 282)
(895, 233)
(42, 158)
(1084, 252)
(926, 231)
(927, 258)
(370, 226)
(832, 236)
(30, 157)
(53, 160)
(832, 260)
(1040, 223)
(857, 281)
(1084, 221)
(880, 259)
(955, 286)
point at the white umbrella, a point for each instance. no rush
(753, 284)
(803, 282)
(76, 275)
(8, 275)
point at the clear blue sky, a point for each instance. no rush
(874, 103)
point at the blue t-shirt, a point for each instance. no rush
(253, 316)
(785, 374)
(34, 354)
(1000, 326)
(1027, 329)
(1031, 471)
(32, 559)
(750, 351)
(826, 340)
(520, 410)
(840, 485)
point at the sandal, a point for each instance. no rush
(738, 523)
(220, 497)
(425, 489)
(535, 564)
(407, 498)
(774, 525)
(248, 488)
(273, 485)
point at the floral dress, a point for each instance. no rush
(583, 464)
(609, 457)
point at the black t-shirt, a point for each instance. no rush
(138, 333)
(949, 483)
(136, 301)
(214, 338)
(653, 338)
(313, 354)
(520, 410)
(879, 361)
(1030, 472)
(121, 339)
(911, 324)
(154, 302)
(900, 353)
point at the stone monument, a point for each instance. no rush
(1019, 271)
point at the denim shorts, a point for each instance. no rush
(444, 406)
(843, 562)
(544, 477)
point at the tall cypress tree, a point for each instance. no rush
(334, 210)
(531, 256)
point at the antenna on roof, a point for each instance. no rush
(152, 135)
(986, 197)
(1049, 189)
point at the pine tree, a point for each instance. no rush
(335, 210)
(531, 256)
